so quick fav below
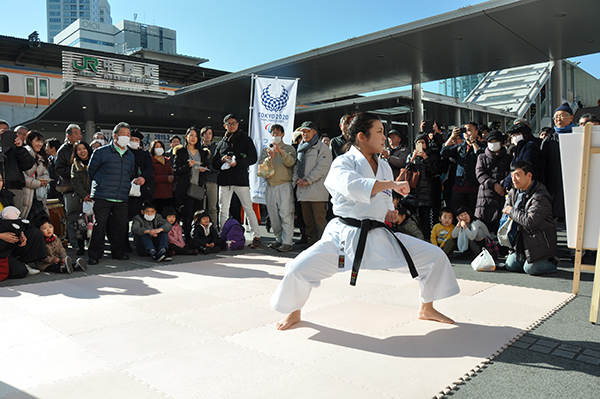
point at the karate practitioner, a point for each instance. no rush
(361, 189)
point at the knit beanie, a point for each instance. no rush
(564, 107)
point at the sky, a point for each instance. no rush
(239, 34)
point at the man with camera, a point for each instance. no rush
(466, 185)
(234, 154)
(279, 193)
(14, 160)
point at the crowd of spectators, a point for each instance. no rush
(178, 199)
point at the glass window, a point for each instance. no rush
(54, 20)
(54, 13)
(54, 6)
(43, 83)
(30, 82)
(4, 84)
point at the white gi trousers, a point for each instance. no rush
(280, 205)
(243, 193)
(305, 272)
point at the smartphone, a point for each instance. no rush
(419, 146)
(428, 127)
(8, 138)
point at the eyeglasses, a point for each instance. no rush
(561, 116)
(231, 123)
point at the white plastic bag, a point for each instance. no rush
(484, 262)
(87, 207)
(135, 191)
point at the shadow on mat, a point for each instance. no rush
(11, 391)
(464, 339)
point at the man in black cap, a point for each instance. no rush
(234, 154)
(396, 155)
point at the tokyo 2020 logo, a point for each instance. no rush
(274, 104)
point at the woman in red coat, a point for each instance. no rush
(163, 176)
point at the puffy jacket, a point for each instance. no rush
(534, 216)
(13, 162)
(316, 167)
(244, 150)
(139, 224)
(80, 180)
(111, 173)
(32, 182)
(181, 168)
(491, 168)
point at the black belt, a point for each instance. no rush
(365, 226)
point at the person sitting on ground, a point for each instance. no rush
(441, 234)
(407, 224)
(469, 233)
(177, 245)
(204, 235)
(152, 233)
(529, 205)
(18, 244)
(56, 260)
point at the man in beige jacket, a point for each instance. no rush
(279, 191)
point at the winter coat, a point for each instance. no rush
(13, 162)
(62, 167)
(491, 168)
(212, 173)
(176, 235)
(32, 182)
(427, 168)
(466, 160)
(80, 180)
(201, 238)
(181, 168)
(534, 217)
(243, 148)
(143, 168)
(111, 173)
(164, 188)
(54, 250)
(140, 224)
(316, 167)
(550, 151)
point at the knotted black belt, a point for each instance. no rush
(365, 226)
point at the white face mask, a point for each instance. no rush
(149, 217)
(515, 140)
(122, 141)
(494, 146)
(159, 151)
(277, 139)
(133, 144)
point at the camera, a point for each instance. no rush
(463, 130)
(271, 145)
(230, 153)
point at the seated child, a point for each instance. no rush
(56, 260)
(441, 234)
(204, 234)
(470, 232)
(151, 233)
(177, 245)
(407, 224)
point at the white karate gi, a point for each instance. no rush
(350, 182)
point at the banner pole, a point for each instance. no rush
(251, 108)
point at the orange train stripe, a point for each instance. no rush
(32, 73)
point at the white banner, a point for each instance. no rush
(274, 103)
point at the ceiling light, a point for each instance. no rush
(172, 114)
(84, 107)
(130, 110)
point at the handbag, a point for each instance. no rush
(492, 247)
(64, 185)
(196, 192)
(483, 262)
(507, 231)
(410, 176)
(87, 207)
(266, 170)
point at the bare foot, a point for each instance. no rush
(289, 320)
(427, 312)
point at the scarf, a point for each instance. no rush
(48, 240)
(160, 159)
(302, 149)
(566, 129)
